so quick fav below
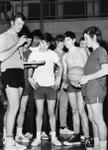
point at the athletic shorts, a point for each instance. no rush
(72, 88)
(47, 93)
(93, 92)
(92, 99)
(13, 77)
(27, 89)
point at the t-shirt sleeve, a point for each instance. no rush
(103, 56)
(55, 57)
(3, 42)
(31, 57)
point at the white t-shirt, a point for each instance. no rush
(34, 49)
(44, 75)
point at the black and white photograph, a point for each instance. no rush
(53, 74)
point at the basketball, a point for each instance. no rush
(75, 74)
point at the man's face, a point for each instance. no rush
(69, 42)
(83, 44)
(36, 41)
(60, 44)
(88, 40)
(17, 25)
(44, 45)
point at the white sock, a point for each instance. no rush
(10, 140)
(96, 143)
(103, 145)
(19, 131)
(4, 132)
(53, 135)
(38, 135)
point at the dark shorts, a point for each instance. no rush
(47, 93)
(92, 99)
(71, 88)
(93, 92)
(13, 78)
(27, 89)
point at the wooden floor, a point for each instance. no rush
(48, 146)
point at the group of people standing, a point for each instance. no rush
(20, 74)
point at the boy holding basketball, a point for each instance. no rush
(75, 57)
(94, 85)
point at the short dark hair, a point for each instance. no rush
(37, 33)
(91, 31)
(18, 15)
(48, 37)
(70, 34)
(59, 38)
(81, 39)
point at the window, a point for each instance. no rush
(34, 11)
(49, 10)
(74, 9)
(103, 8)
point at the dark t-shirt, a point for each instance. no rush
(96, 87)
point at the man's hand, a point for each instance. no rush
(84, 80)
(76, 84)
(22, 40)
(57, 83)
(32, 83)
(64, 85)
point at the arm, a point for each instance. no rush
(30, 74)
(60, 70)
(6, 53)
(64, 69)
(102, 72)
(30, 79)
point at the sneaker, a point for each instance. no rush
(89, 142)
(12, 145)
(82, 139)
(75, 139)
(28, 135)
(9, 141)
(66, 131)
(21, 139)
(4, 140)
(56, 142)
(44, 135)
(36, 142)
(20, 147)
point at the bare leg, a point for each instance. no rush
(74, 106)
(83, 115)
(97, 110)
(13, 95)
(51, 108)
(21, 115)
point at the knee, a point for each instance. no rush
(51, 113)
(98, 120)
(39, 114)
(74, 111)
